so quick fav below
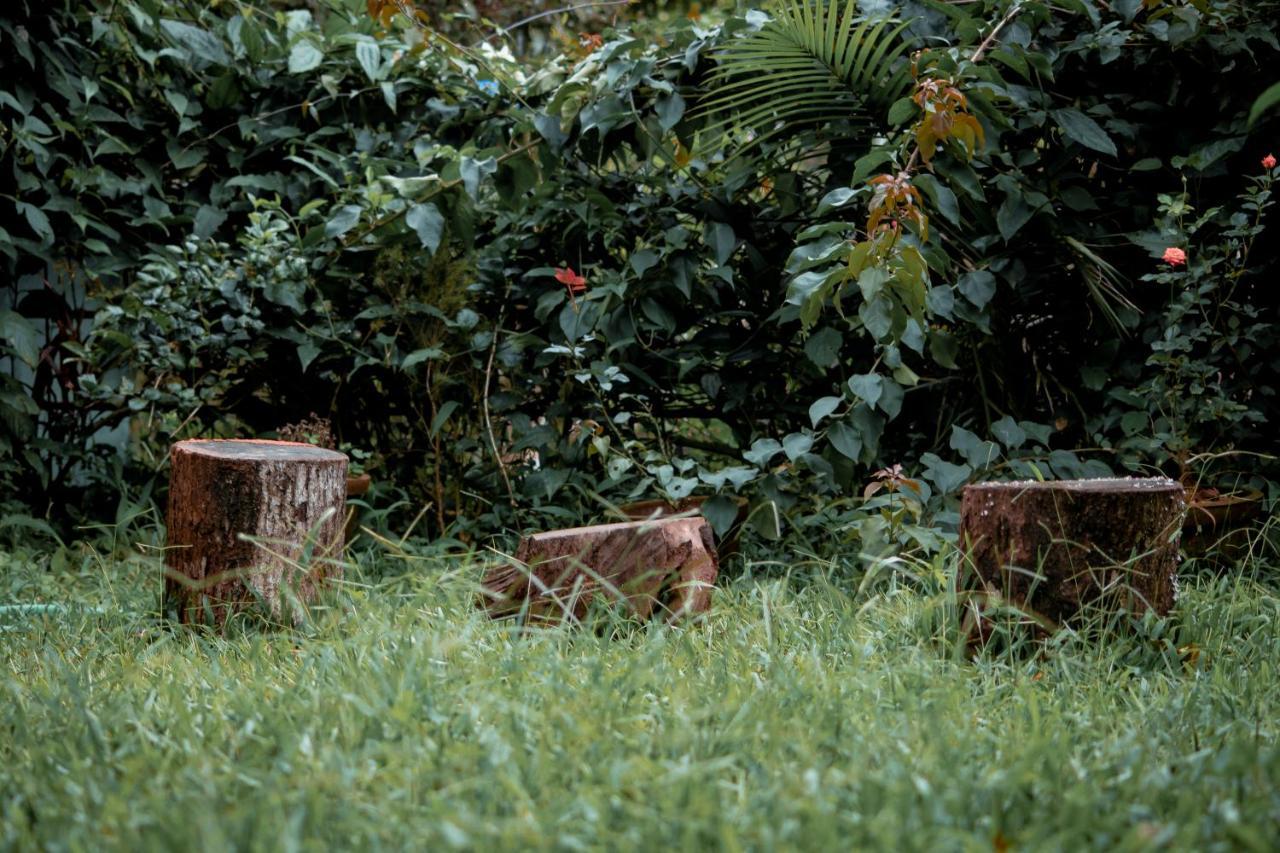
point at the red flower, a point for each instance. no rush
(571, 280)
(1175, 257)
(1269, 162)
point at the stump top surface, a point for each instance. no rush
(606, 529)
(1110, 485)
(258, 451)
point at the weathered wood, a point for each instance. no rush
(657, 508)
(1055, 547)
(286, 497)
(663, 566)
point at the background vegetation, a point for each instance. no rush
(225, 218)
(817, 264)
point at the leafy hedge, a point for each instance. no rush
(646, 264)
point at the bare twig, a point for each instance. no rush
(488, 421)
(991, 37)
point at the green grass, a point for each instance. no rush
(803, 713)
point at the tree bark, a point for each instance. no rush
(1055, 547)
(248, 520)
(663, 566)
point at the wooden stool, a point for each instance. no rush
(667, 565)
(247, 519)
(1057, 546)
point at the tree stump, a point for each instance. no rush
(1055, 547)
(666, 565)
(247, 519)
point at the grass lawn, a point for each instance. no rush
(809, 711)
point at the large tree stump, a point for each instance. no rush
(247, 519)
(666, 565)
(1055, 547)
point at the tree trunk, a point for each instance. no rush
(1055, 547)
(288, 498)
(667, 565)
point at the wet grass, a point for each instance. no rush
(810, 710)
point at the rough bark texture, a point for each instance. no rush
(275, 492)
(1056, 546)
(643, 510)
(664, 566)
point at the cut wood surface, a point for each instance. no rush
(1057, 546)
(248, 518)
(666, 566)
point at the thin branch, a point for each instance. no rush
(484, 397)
(991, 37)
(529, 20)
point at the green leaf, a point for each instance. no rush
(342, 221)
(721, 511)
(868, 387)
(1080, 128)
(762, 450)
(369, 55)
(902, 111)
(1012, 215)
(721, 239)
(796, 445)
(1009, 433)
(945, 476)
(823, 346)
(474, 171)
(670, 110)
(208, 219)
(304, 57)
(877, 316)
(37, 219)
(21, 335)
(978, 452)
(871, 282)
(943, 198)
(307, 353)
(428, 222)
(1266, 101)
(199, 43)
(944, 348)
(822, 407)
(845, 439)
(443, 415)
(978, 287)
(643, 261)
(836, 198)
(891, 398)
(418, 356)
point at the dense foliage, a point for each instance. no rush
(757, 255)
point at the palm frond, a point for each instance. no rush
(815, 62)
(1104, 282)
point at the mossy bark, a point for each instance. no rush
(247, 520)
(663, 566)
(1058, 547)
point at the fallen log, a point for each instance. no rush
(1058, 547)
(248, 521)
(662, 566)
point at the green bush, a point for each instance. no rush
(756, 255)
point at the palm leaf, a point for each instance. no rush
(1104, 283)
(814, 63)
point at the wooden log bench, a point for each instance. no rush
(1058, 547)
(251, 524)
(663, 566)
